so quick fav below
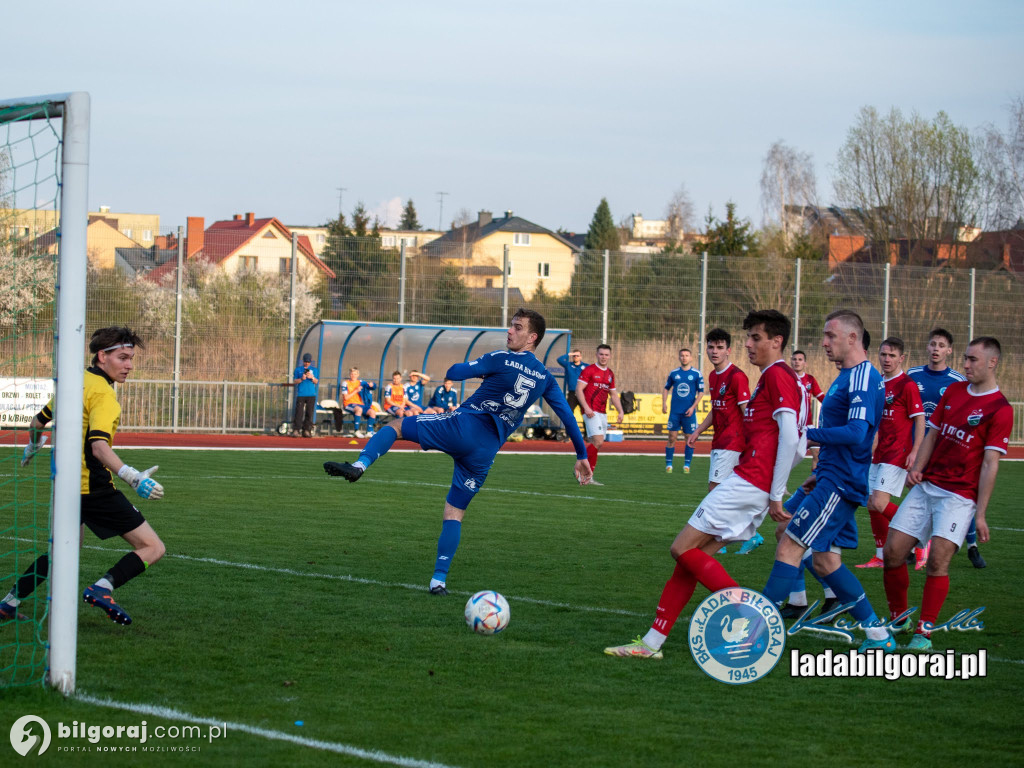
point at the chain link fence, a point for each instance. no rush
(239, 318)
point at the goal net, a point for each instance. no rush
(43, 217)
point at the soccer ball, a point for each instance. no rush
(487, 612)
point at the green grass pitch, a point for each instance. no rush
(290, 596)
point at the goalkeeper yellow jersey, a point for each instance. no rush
(101, 415)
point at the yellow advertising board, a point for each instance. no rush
(648, 418)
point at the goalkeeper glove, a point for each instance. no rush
(143, 484)
(32, 449)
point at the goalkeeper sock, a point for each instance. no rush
(447, 543)
(126, 569)
(32, 578)
(378, 445)
(669, 453)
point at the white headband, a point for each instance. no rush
(117, 346)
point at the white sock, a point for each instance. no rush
(359, 464)
(654, 639)
(798, 599)
(104, 583)
(436, 583)
(876, 633)
(11, 600)
(829, 594)
(878, 552)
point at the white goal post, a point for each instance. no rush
(73, 111)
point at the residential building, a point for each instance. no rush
(537, 256)
(247, 243)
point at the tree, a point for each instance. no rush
(787, 179)
(1002, 160)
(602, 235)
(362, 284)
(409, 220)
(679, 215)
(731, 237)
(908, 178)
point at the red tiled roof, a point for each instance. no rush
(223, 239)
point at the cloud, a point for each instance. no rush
(388, 212)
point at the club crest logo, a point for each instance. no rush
(737, 635)
(721, 389)
(975, 418)
(889, 398)
(27, 732)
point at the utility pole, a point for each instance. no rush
(440, 210)
(341, 191)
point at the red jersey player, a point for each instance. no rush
(730, 391)
(953, 477)
(772, 426)
(594, 387)
(899, 435)
(798, 361)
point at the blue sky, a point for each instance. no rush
(214, 108)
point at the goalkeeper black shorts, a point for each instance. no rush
(108, 513)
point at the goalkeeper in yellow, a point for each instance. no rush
(105, 510)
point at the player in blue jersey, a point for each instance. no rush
(574, 365)
(472, 434)
(686, 387)
(932, 380)
(824, 521)
(444, 400)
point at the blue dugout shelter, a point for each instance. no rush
(378, 349)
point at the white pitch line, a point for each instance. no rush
(167, 713)
(373, 582)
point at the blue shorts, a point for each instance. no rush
(678, 420)
(351, 408)
(825, 519)
(471, 440)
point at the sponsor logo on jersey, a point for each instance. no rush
(737, 635)
(683, 389)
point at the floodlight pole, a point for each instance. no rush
(67, 436)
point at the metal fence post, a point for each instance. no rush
(885, 302)
(177, 331)
(224, 409)
(970, 317)
(401, 287)
(291, 305)
(604, 300)
(703, 301)
(504, 288)
(796, 305)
